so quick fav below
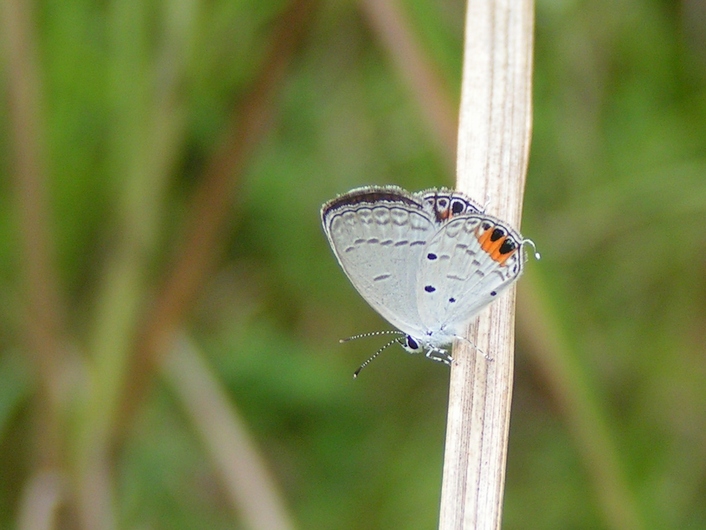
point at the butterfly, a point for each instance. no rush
(427, 261)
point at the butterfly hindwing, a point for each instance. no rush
(465, 266)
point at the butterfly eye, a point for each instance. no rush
(443, 203)
(410, 344)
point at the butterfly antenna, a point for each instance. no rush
(530, 242)
(372, 357)
(372, 334)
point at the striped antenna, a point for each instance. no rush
(398, 340)
(372, 334)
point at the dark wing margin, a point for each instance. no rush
(371, 195)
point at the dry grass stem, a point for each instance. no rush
(213, 202)
(493, 149)
(44, 309)
(249, 486)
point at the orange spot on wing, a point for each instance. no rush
(484, 239)
(502, 258)
(493, 247)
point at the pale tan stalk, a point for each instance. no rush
(493, 148)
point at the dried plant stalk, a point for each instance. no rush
(493, 148)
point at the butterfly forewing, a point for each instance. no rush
(378, 244)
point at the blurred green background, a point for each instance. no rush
(163, 165)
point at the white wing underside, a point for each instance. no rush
(425, 276)
(464, 277)
(379, 248)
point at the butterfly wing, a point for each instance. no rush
(465, 266)
(378, 236)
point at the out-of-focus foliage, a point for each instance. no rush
(616, 202)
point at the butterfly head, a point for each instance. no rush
(410, 344)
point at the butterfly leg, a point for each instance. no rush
(439, 355)
(472, 345)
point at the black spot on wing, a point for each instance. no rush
(457, 206)
(508, 246)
